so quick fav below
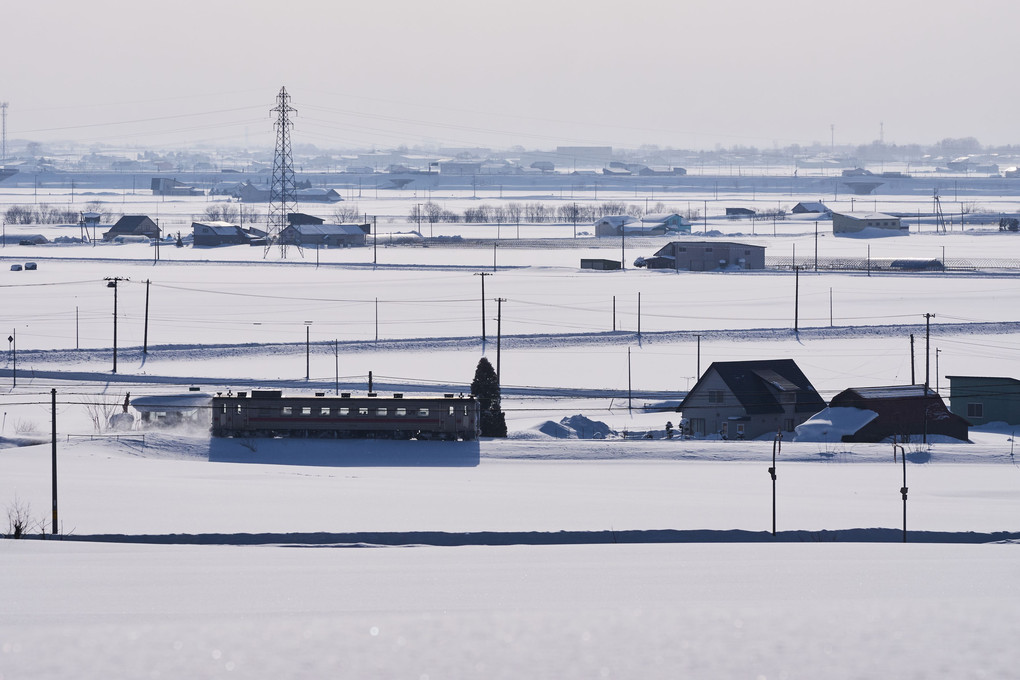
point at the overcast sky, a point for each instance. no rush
(535, 73)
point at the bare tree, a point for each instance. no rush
(346, 214)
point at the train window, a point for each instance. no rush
(423, 411)
(400, 412)
(465, 409)
(381, 411)
(343, 411)
(451, 410)
(287, 410)
(306, 410)
(324, 411)
(363, 411)
(238, 409)
(224, 407)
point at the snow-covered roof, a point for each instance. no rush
(171, 402)
(326, 229)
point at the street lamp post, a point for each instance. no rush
(12, 346)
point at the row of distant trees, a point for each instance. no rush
(537, 212)
(44, 213)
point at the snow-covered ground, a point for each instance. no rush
(529, 557)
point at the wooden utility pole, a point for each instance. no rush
(499, 334)
(483, 275)
(927, 351)
(53, 401)
(145, 336)
(913, 378)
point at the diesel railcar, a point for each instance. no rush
(267, 413)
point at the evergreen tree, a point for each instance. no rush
(485, 388)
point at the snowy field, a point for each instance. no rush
(529, 557)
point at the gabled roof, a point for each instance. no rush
(129, 222)
(750, 383)
(811, 207)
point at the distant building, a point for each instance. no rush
(856, 222)
(132, 225)
(903, 412)
(331, 235)
(164, 186)
(649, 225)
(809, 207)
(983, 400)
(700, 256)
(748, 399)
(457, 167)
(216, 233)
(601, 265)
(739, 212)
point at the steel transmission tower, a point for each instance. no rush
(282, 195)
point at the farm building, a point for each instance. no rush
(649, 225)
(700, 256)
(132, 225)
(902, 412)
(739, 212)
(251, 193)
(599, 264)
(856, 222)
(218, 234)
(984, 400)
(165, 186)
(333, 235)
(810, 207)
(748, 399)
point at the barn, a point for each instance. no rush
(333, 235)
(216, 233)
(903, 412)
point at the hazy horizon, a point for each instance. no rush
(453, 73)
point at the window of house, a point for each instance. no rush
(788, 424)
(976, 410)
(682, 249)
(715, 396)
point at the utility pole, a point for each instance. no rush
(699, 357)
(639, 315)
(927, 351)
(336, 361)
(630, 394)
(53, 403)
(937, 352)
(614, 313)
(816, 245)
(913, 378)
(145, 336)
(796, 298)
(483, 275)
(308, 350)
(111, 282)
(499, 334)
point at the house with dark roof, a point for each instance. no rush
(216, 233)
(132, 225)
(333, 235)
(904, 413)
(983, 400)
(748, 399)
